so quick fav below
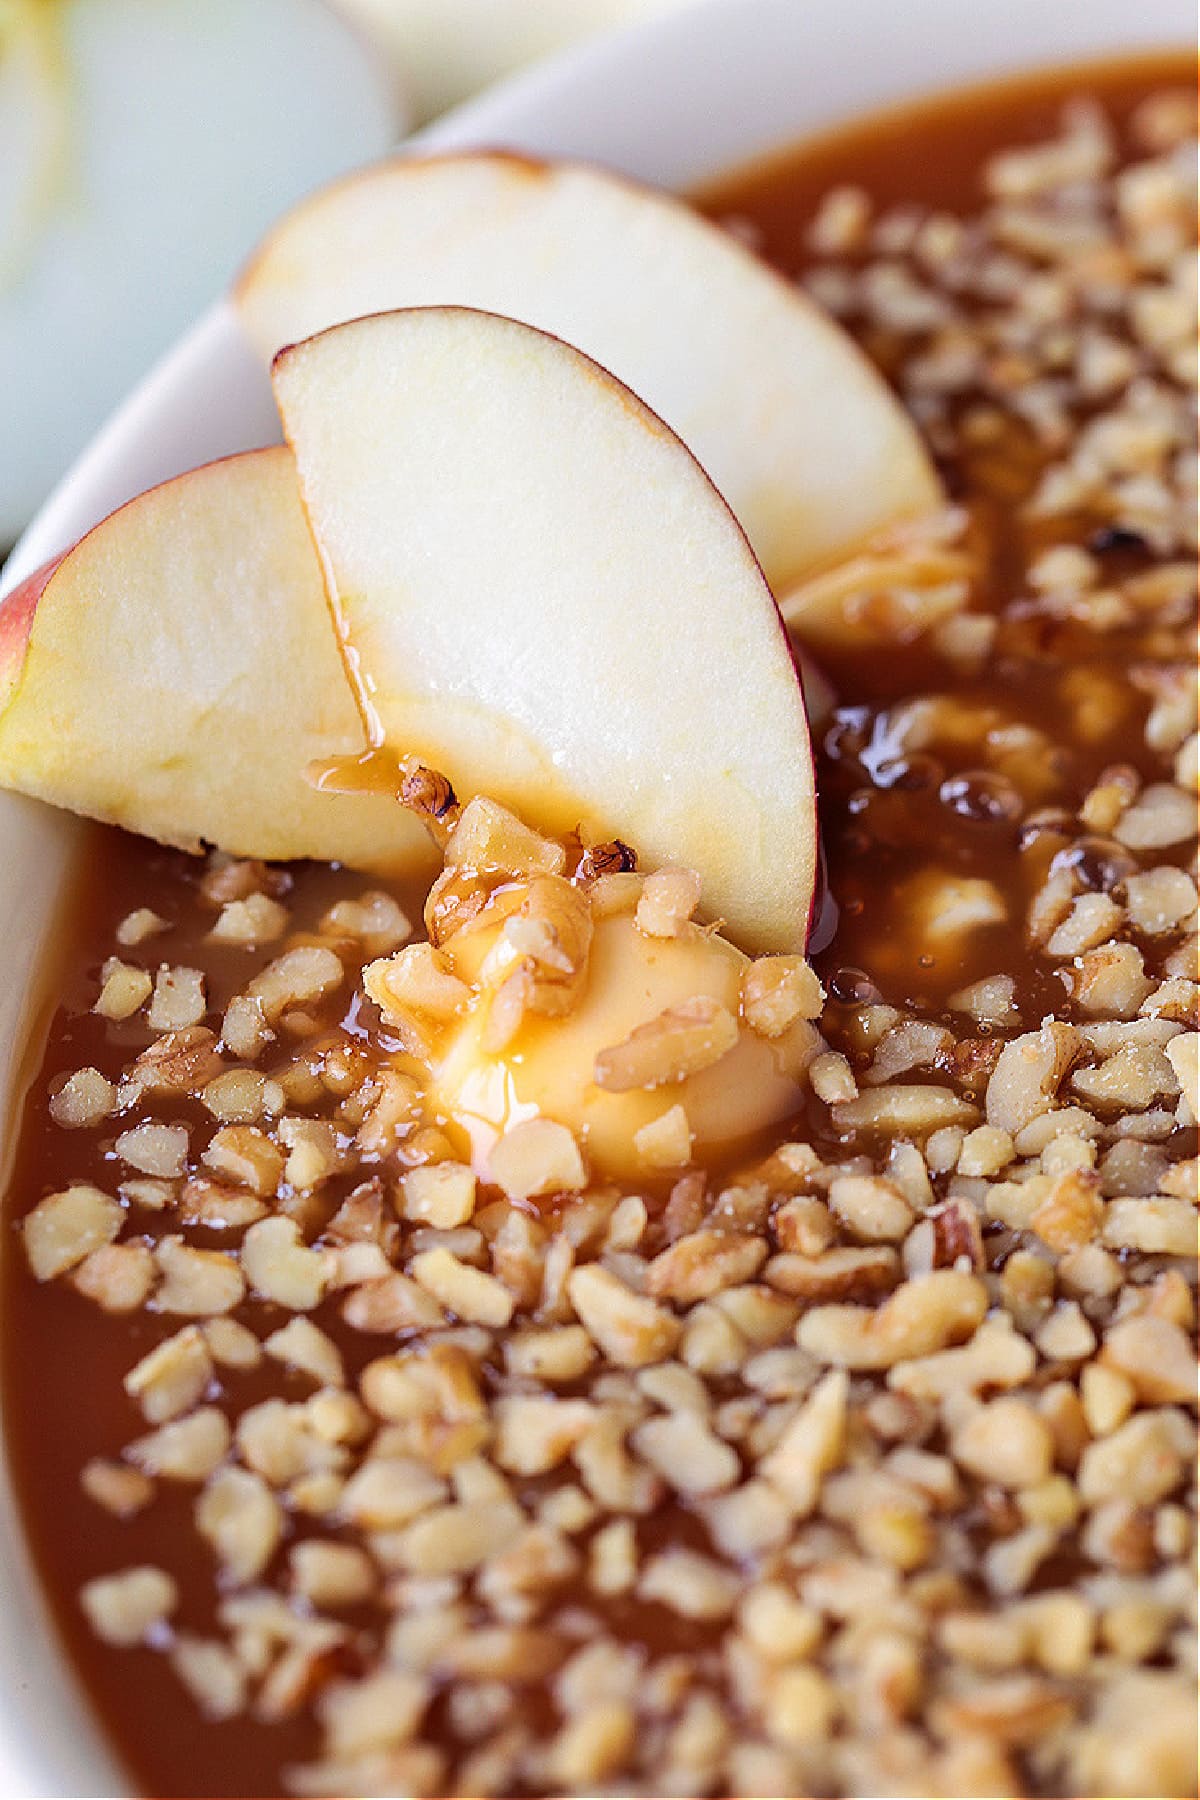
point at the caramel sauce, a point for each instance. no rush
(885, 819)
(372, 772)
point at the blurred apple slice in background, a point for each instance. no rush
(176, 670)
(444, 50)
(547, 599)
(143, 144)
(33, 131)
(798, 431)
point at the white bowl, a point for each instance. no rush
(674, 101)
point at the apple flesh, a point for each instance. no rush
(797, 430)
(176, 671)
(444, 50)
(547, 599)
(143, 145)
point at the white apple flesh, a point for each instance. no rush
(547, 599)
(797, 430)
(444, 50)
(176, 671)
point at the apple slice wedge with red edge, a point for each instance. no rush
(176, 670)
(546, 598)
(802, 436)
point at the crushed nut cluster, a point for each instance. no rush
(864, 1465)
(1047, 348)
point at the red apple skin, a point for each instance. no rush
(317, 384)
(150, 717)
(16, 623)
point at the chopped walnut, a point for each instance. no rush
(173, 1377)
(1142, 1462)
(1156, 1356)
(536, 1432)
(331, 1574)
(921, 1317)
(122, 1491)
(680, 1042)
(415, 981)
(300, 977)
(390, 1303)
(1153, 1226)
(630, 1329)
(459, 1538)
(900, 1107)
(196, 1283)
(84, 1098)
(181, 1062)
(312, 1151)
(592, 1744)
(1006, 1441)
(129, 1608)
(212, 1675)
(117, 1277)
(244, 1028)
(125, 991)
(185, 1449)
(280, 1266)
(1028, 1075)
(832, 1079)
(870, 1208)
(439, 1194)
(387, 1492)
(686, 1453)
(669, 897)
(65, 1228)
(778, 990)
(375, 919)
(812, 1444)
(666, 1142)
(178, 1000)
(704, 1263)
(536, 1156)
(232, 1344)
(250, 922)
(302, 1346)
(468, 1292)
(142, 923)
(840, 1273)
(488, 836)
(240, 1519)
(154, 1149)
(1162, 815)
(242, 1097)
(691, 1585)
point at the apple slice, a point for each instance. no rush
(177, 669)
(444, 50)
(143, 145)
(547, 599)
(798, 431)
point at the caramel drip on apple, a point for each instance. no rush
(424, 791)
